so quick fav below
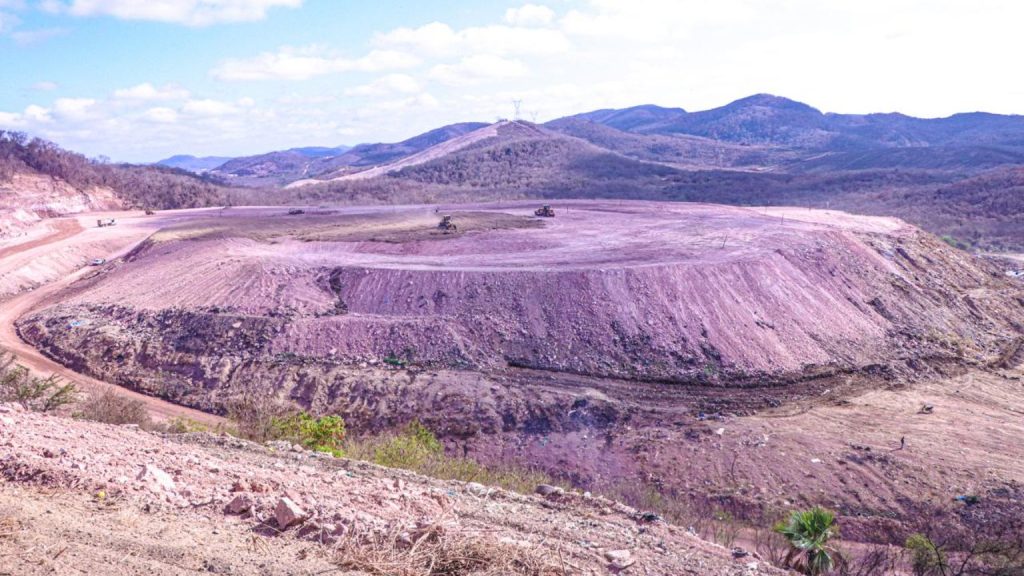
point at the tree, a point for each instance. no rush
(808, 533)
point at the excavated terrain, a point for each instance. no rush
(81, 497)
(27, 199)
(619, 343)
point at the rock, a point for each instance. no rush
(239, 505)
(547, 490)
(287, 513)
(619, 559)
(6, 420)
(47, 453)
(477, 489)
(239, 486)
(738, 552)
(156, 479)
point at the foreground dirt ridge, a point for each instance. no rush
(229, 506)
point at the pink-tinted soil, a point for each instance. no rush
(727, 357)
(163, 504)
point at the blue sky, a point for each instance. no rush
(140, 80)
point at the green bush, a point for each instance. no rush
(926, 557)
(417, 449)
(17, 384)
(323, 434)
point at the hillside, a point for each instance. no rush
(787, 350)
(38, 179)
(83, 497)
(193, 163)
(273, 168)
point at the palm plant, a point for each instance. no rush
(808, 533)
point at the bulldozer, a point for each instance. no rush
(546, 211)
(447, 225)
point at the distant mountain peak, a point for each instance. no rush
(770, 101)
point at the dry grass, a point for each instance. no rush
(9, 526)
(434, 551)
(113, 408)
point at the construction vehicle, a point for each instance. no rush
(97, 262)
(104, 222)
(296, 211)
(546, 211)
(447, 225)
(149, 212)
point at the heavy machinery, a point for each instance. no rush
(296, 211)
(447, 225)
(546, 211)
(104, 222)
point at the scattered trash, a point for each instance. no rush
(926, 409)
(969, 500)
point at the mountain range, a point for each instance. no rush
(760, 132)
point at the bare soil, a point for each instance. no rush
(85, 497)
(729, 359)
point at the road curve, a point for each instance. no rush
(28, 356)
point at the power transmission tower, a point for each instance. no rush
(533, 116)
(516, 104)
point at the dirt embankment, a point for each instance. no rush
(618, 343)
(28, 198)
(697, 295)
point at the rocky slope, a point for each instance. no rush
(688, 294)
(27, 198)
(231, 507)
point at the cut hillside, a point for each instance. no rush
(370, 155)
(690, 294)
(39, 179)
(503, 131)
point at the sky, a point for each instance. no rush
(139, 80)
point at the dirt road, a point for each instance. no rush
(71, 231)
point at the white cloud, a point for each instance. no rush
(530, 15)
(188, 12)
(290, 63)
(161, 115)
(209, 107)
(45, 86)
(147, 91)
(438, 39)
(392, 83)
(473, 69)
(36, 113)
(74, 109)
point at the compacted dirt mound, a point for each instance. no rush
(694, 294)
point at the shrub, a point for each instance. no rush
(808, 533)
(254, 416)
(323, 434)
(926, 557)
(17, 384)
(110, 407)
(417, 449)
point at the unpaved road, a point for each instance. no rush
(70, 231)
